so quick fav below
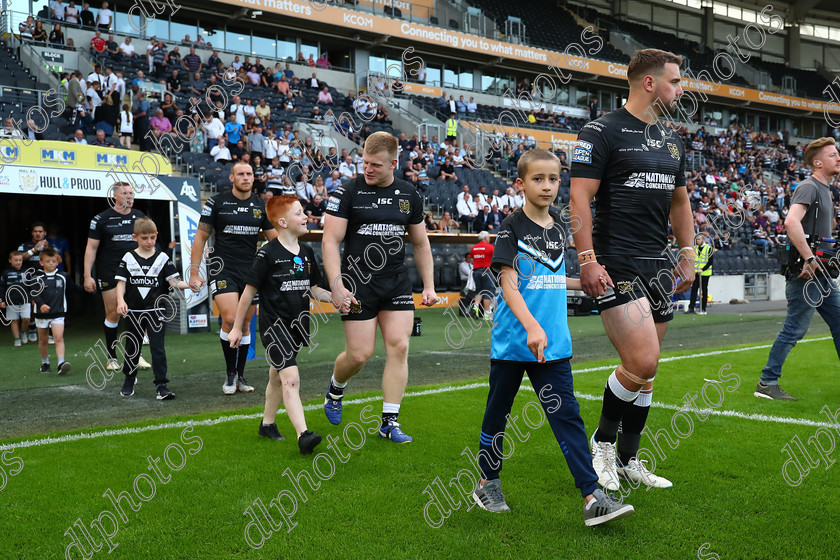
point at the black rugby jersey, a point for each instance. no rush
(146, 279)
(236, 223)
(15, 286)
(114, 232)
(51, 290)
(638, 175)
(283, 280)
(377, 221)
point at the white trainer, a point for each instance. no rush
(229, 388)
(603, 462)
(142, 363)
(243, 386)
(113, 365)
(637, 473)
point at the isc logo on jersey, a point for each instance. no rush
(582, 152)
(332, 205)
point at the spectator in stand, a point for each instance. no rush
(257, 142)
(347, 169)
(174, 58)
(87, 17)
(127, 49)
(104, 17)
(25, 29)
(213, 60)
(263, 111)
(253, 76)
(447, 171)
(101, 140)
(56, 10)
(333, 181)
(192, 62)
(467, 209)
(314, 83)
(304, 190)
(237, 150)
(430, 223)
(71, 14)
(160, 124)
(486, 221)
(447, 224)
(126, 126)
(141, 120)
(39, 35)
(233, 130)
(323, 62)
(173, 82)
(160, 56)
(472, 106)
(461, 107)
(79, 137)
(315, 212)
(105, 116)
(311, 61)
(197, 86)
(57, 36)
(220, 152)
(324, 96)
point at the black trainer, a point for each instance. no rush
(45, 368)
(63, 368)
(271, 432)
(308, 441)
(164, 394)
(128, 385)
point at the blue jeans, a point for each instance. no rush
(803, 296)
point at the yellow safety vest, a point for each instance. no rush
(451, 127)
(703, 252)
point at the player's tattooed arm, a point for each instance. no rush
(205, 227)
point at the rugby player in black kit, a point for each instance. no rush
(370, 285)
(109, 238)
(237, 216)
(634, 168)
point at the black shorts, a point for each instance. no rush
(230, 281)
(282, 340)
(381, 293)
(485, 284)
(640, 278)
(105, 281)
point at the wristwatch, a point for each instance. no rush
(811, 259)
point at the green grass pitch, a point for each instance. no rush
(193, 475)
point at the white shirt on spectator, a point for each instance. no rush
(126, 122)
(346, 170)
(219, 152)
(271, 145)
(104, 17)
(304, 191)
(94, 77)
(239, 112)
(95, 99)
(127, 50)
(360, 163)
(214, 129)
(518, 200)
(58, 9)
(283, 152)
(465, 208)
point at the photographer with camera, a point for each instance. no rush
(809, 273)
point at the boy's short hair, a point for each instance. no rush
(537, 154)
(15, 253)
(49, 252)
(144, 226)
(382, 142)
(650, 61)
(276, 206)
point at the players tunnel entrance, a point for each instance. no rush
(69, 217)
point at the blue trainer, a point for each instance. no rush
(393, 432)
(333, 411)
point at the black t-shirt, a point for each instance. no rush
(33, 261)
(10, 294)
(317, 210)
(51, 289)
(638, 175)
(377, 221)
(173, 82)
(283, 280)
(237, 224)
(114, 232)
(145, 279)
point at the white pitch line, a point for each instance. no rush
(449, 389)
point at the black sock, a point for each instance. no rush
(241, 358)
(230, 356)
(612, 410)
(389, 417)
(111, 341)
(335, 393)
(632, 425)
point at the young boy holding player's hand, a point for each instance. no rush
(14, 298)
(285, 273)
(531, 334)
(50, 297)
(144, 275)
